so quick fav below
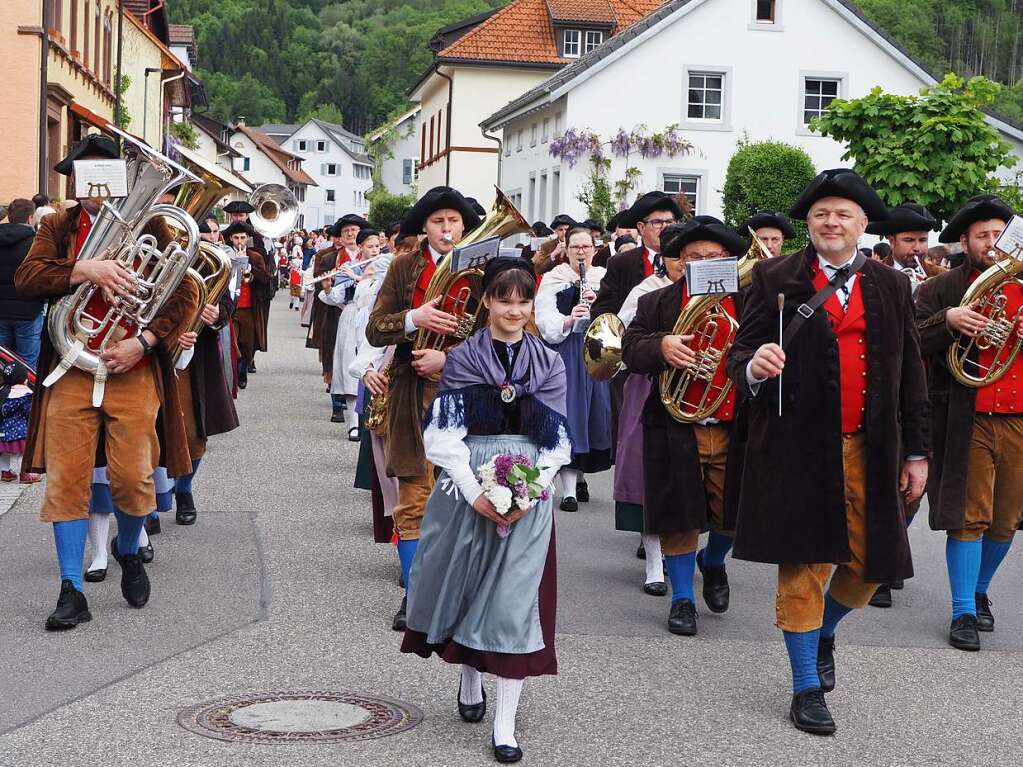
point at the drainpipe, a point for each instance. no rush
(180, 75)
(500, 154)
(145, 98)
(44, 56)
(118, 95)
(447, 157)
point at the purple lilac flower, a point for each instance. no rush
(502, 465)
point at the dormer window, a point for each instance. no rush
(593, 39)
(570, 47)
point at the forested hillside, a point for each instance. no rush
(351, 61)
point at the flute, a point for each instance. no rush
(360, 265)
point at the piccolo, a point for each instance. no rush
(349, 267)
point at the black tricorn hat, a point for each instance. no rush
(92, 145)
(908, 217)
(238, 206)
(647, 204)
(439, 198)
(845, 183)
(769, 218)
(675, 237)
(983, 207)
(479, 209)
(563, 219)
(350, 219)
(236, 227)
(592, 223)
(365, 234)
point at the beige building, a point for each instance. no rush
(77, 93)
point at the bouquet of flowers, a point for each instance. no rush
(511, 482)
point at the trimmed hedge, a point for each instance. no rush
(386, 208)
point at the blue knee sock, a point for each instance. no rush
(183, 484)
(69, 538)
(155, 514)
(963, 561)
(833, 613)
(717, 549)
(406, 553)
(991, 555)
(802, 650)
(164, 502)
(680, 571)
(128, 530)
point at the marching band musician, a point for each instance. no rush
(140, 415)
(773, 229)
(908, 231)
(249, 319)
(977, 480)
(444, 215)
(552, 252)
(615, 230)
(238, 213)
(690, 474)
(562, 308)
(821, 481)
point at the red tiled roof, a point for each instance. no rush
(277, 155)
(522, 31)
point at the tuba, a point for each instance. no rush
(276, 210)
(1001, 336)
(84, 324)
(462, 292)
(690, 395)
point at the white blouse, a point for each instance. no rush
(628, 311)
(549, 321)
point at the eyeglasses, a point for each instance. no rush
(580, 248)
(659, 223)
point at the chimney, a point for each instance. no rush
(240, 122)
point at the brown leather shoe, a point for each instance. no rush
(28, 478)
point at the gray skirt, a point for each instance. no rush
(467, 583)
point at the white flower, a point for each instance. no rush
(501, 497)
(522, 502)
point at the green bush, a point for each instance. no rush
(386, 208)
(767, 175)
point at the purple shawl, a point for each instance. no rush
(470, 389)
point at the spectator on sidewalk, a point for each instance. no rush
(42, 208)
(21, 321)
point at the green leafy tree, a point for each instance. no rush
(934, 149)
(248, 97)
(326, 112)
(766, 175)
(122, 117)
(597, 193)
(386, 208)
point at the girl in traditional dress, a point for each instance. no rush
(562, 307)
(477, 598)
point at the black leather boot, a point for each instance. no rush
(398, 624)
(985, 618)
(715, 585)
(185, 513)
(809, 712)
(826, 663)
(682, 618)
(72, 609)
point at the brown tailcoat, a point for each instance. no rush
(792, 504)
(675, 499)
(323, 326)
(261, 290)
(409, 394)
(46, 273)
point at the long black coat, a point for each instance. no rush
(953, 405)
(674, 496)
(214, 408)
(624, 272)
(792, 504)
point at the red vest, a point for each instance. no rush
(850, 328)
(648, 267)
(245, 297)
(726, 410)
(424, 278)
(1005, 396)
(84, 227)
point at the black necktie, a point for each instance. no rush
(838, 274)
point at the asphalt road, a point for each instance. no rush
(279, 586)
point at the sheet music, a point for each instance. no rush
(100, 179)
(1010, 241)
(713, 275)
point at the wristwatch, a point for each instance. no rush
(146, 347)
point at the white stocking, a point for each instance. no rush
(471, 690)
(99, 531)
(569, 479)
(654, 562)
(508, 691)
(143, 537)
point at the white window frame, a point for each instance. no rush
(541, 214)
(556, 188)
(532, 196)
(518, 139)
(842, 78)
(532, 134)
(331, 195)
(724, 123)
(587, 44)
(300, 145)
(766, 26)
(577, 43)
(321, 146)
(327, 166)
(700, 175)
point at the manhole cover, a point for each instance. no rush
(300, 717)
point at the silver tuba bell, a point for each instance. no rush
(84, 324)
(276, 210)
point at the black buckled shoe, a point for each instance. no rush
(398, 624)
(582, 492)
(185, 512)
(809, 712)
(963, 635)
(152, 526)
(882, 597)
(826, 663)
(134, 581)
(715, 585)
(472, 713)
(506, 754)
(656, 588)
(985, 618)
(72, 609)
(96, 576)
(682, 618)
(146, 553)
(568, 503)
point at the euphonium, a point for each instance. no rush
(690, 394)
(1001, 335)
(462, 291)
(84, 324)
